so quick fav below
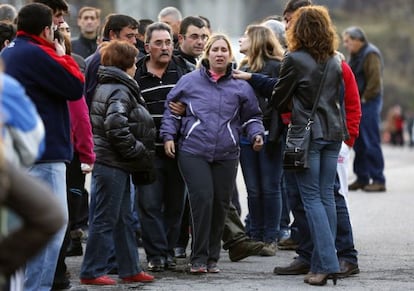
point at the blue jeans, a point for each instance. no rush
(262, 175)
(111, 225)
(285, 217)
(161, 206)
(344, 241)
(369, 160)
(316, 186)
(302, 235)
(40, 270)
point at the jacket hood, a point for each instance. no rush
(110, 74)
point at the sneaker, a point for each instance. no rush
(284, 234)
(180, 253)
(198, 268)
(213, 268)
(156, 265)
(140, 277)
(356, 186)
(375, 187)
(268, 250)
(102, 280)
(245, 249)
(170, 263)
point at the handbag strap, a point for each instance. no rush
(315, 105)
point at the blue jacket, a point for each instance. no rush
(50, 81)
(23, 131)
(216, 114)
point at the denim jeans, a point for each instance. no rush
(344, 241)
(316, 186)
(262, 172)
(210, 188)
(40, 270)
(111, 225)
(285, 216)
(161, 206)
(369, 160)
(300, 223)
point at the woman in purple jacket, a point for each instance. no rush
(218, 109)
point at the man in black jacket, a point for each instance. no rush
(88, 22)
(160, 203)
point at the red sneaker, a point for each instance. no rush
(103, 280)
(140, 277)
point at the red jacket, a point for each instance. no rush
(81, 130)
(352, 104)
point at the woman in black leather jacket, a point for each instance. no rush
(124, 135)
(312, 42)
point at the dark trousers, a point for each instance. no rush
(161, 206)
(369, 160)
(185, 226)
(233, 232)
(210, 187)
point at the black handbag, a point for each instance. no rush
(295, 155)
(298, 138)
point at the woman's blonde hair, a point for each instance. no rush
(312, 30)
(263, 46)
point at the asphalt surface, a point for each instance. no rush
(383, 233)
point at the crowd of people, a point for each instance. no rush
(160, 114)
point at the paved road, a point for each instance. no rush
(383, 232)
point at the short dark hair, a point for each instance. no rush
(55, 5)
(294, 5)
(143, 23)
(34, 17)
(206, 20)
(116, 22)
(7, 32)
(191, 20)
(156, 26)
(118, 53)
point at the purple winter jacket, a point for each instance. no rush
(217, 113)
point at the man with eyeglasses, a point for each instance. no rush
(192, 38)
(160, 203)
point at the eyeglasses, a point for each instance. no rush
(160, 43)
(195, 36)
